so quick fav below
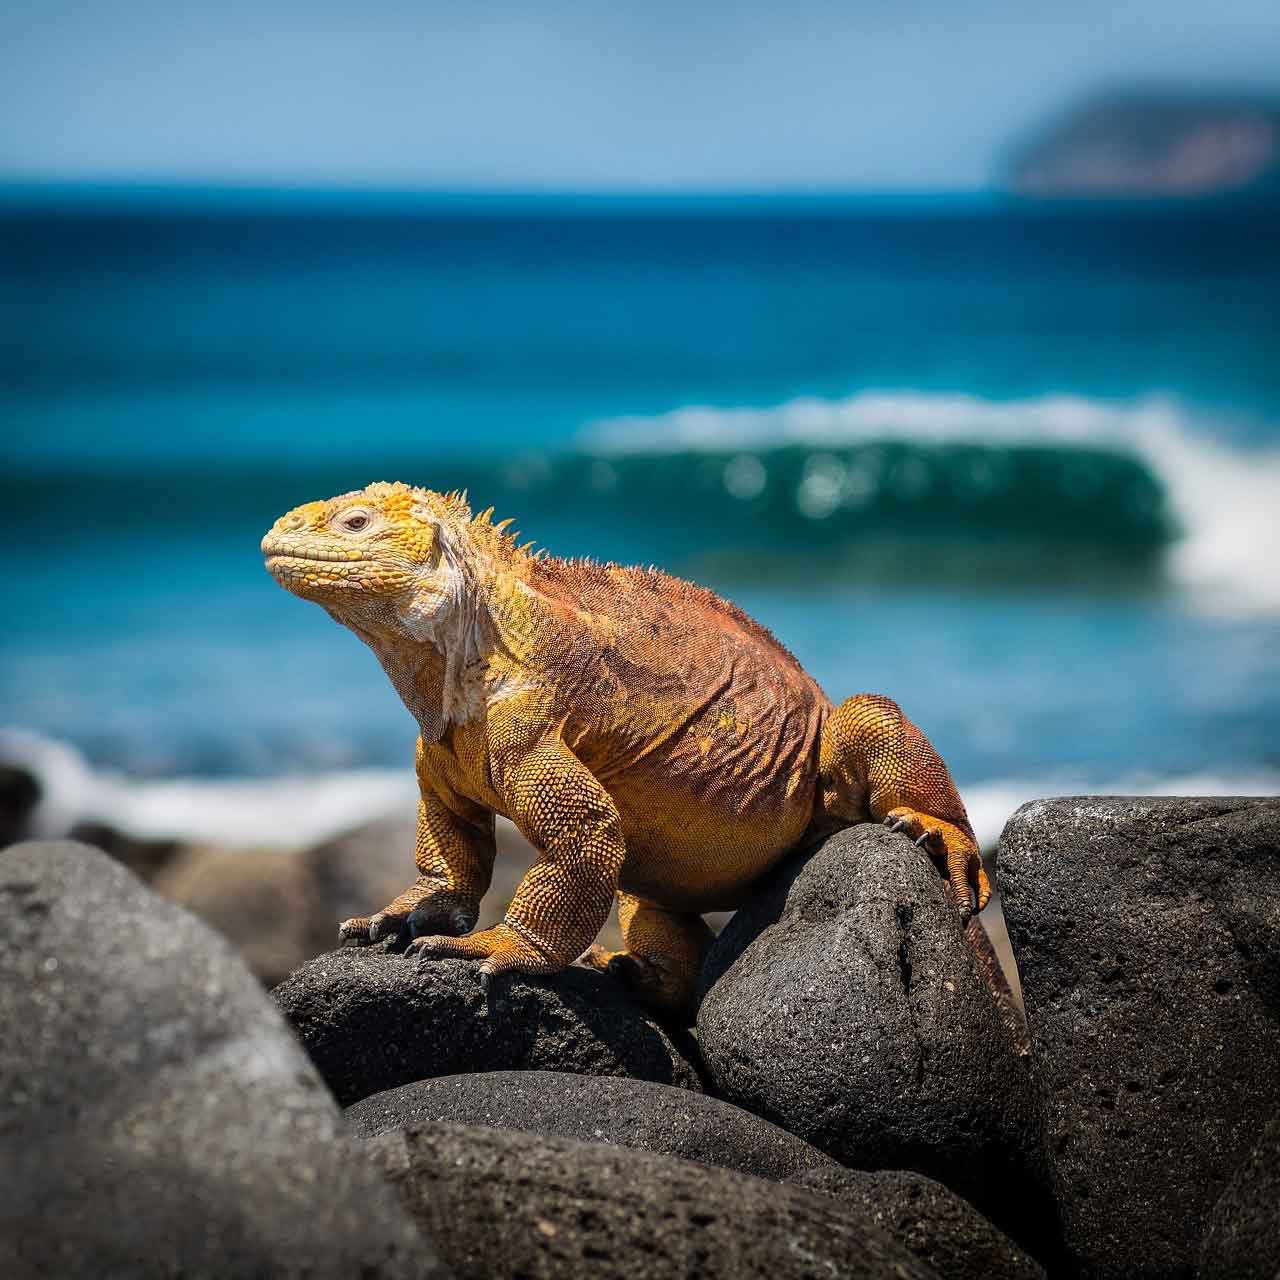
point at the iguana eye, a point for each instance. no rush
(356, 521)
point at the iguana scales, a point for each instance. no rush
(650, 739)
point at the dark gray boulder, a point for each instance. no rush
(628, 1113)
(934, 1223)
(520, 1206)
(19, 796)
(1242, 1238)
(156, 1116)
(280, 908)
(844, 1003)
(283, 907)
(1148, 935)
(372, 1019)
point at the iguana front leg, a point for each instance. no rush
(564, 899)
(454, 853)
(875, 762)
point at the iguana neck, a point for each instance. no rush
(446, 667)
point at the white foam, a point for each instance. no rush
(1226, 498)
(281, 812)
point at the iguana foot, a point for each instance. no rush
(429, 916)
(664, 951)
(955, 852)
(599, 958)
(362, 931)
(657, 984)
(355, 932)
(498, 949)
(645, 977)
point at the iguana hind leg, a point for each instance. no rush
(875, 763)
(664, 951)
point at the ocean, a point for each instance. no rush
(1016, 465)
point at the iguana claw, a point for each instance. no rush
(955, 852)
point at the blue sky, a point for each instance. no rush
(868, 94)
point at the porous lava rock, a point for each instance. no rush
(507, 1205)
(935, 1224)
(612, 1109)
(1242, 1239)
(156, 1116)
(844, 1003)
(372, 1019)
(1148, 935)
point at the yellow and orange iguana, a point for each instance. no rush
(648, 737)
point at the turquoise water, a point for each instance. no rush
(1018, 467)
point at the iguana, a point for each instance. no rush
(649, 738)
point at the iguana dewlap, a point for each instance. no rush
(649, 738)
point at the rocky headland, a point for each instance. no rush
(1154, 146)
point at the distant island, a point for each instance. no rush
(1147, 146)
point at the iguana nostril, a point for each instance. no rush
(287, 524)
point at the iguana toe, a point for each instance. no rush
(385, 925)
(983, 886)
(655, 981)
(632, 969)
(432, 946)
(955, 852)
(432, 922)
(596, 957)
(364, 931)
(354, 932)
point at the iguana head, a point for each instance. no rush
(386, 559)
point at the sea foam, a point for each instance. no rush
(285, 811)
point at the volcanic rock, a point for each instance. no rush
(1148, 935)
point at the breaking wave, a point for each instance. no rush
(1133, 478)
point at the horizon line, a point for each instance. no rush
(127, 185)
(21, 194)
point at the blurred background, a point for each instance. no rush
(945, 339)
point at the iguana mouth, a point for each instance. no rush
(279, 549)
(332, 557)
